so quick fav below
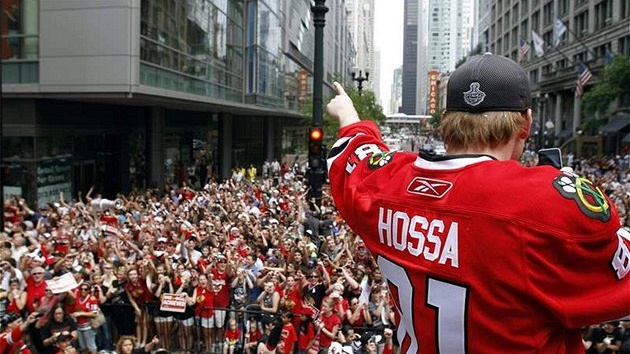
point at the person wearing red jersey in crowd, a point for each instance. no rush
(289, 334)
(327, 325)
(306, 330)
(86, 307)
(358, 314)
(291, 297)
(16, 297)
(232, 337)
(35, 288)
(139, 297)
(340, 304)
(12, 330)
(221, 277)
(389, 347)
(11, 211)
(441, 228)
(204, 311)
(252, 337)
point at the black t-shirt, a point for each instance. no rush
(53, 327)
(317, 293)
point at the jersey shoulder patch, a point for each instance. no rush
(378, 160)
(589, 197)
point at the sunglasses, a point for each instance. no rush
(37, 273)
(85, 289)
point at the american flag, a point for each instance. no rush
(523, 49)
(584, 76)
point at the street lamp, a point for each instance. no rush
(316, 171)
(360, 78)
(542, 100)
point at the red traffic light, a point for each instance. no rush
(316, 134)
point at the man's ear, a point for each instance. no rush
(527, 127)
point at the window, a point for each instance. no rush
(624, 45)
(547, 14)
(533, 77)
(563, 7)
(580, 57)
(581, 24)
(524, 30)
(536, 21)
(624, 11)
(603, 14)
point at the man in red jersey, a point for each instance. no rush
(221, 279)
(473, 263)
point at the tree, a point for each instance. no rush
(364, 102)
(614, 82)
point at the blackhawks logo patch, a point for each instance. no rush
(587, 195)
(379, 160)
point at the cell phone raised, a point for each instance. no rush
(551, 157)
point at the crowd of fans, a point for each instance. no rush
(245, 254)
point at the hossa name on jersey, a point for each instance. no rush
(419, 236)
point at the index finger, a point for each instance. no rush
(339, 88)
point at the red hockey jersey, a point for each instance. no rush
(483, 256)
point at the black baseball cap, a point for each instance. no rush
(488, 83)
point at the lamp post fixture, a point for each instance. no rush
(360, 78)
(542, 100)
(316, 173)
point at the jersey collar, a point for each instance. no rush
(449, 162)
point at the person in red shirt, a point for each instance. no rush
(139, 297)
(16, 297)
(86, 308)
(35, 288)
(306, 329)
(289, 334)
(252, 337)
(327, 325)
(13, 328)
(221, 276)
(389, 347)
(442, 228)
(232, 337)
(204, 310)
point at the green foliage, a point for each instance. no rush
(614, 81)
(436, 118)
(364, 102)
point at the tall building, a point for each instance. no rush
(595, 31)
(375, 77)
(450, 25)
(124, 95)
(410, 56)
(396, 91)
(361, 24)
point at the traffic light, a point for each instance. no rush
(315, 148)
(316, 162)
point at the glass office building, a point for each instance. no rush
(127, 95)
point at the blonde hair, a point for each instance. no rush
(468, 130)
(124, 338)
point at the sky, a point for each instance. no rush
(388, 37)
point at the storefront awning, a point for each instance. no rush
(616, 124)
